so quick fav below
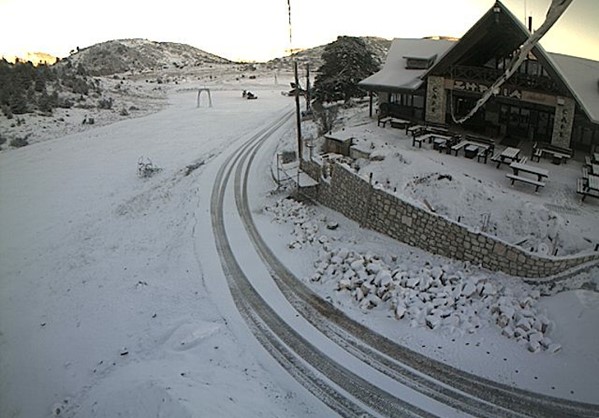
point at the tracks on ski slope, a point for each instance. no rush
(451, 386)
(298, 356)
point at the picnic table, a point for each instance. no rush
(588, 186)
(595, 169)
(558, 154)
(596, 157)
(439, 141)
(526, 168)
(509, 154)
(384, 120)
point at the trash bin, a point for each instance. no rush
(470, 151)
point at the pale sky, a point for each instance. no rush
(258, 30)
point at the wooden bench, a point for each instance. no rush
(496, 158)
(418, 132)
(484, 154)
(587, 160)
(535, 183)
(399, 123)
(523, 160)
(581, 188)
(457, 147)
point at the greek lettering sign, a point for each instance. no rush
(476, 87)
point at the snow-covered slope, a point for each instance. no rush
(118, 56)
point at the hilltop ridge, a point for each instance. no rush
(122, 55)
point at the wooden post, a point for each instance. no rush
(298, 118)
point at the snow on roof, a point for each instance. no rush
(394, 75)
(582, 76)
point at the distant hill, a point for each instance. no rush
(122, 55)
(378, 47)
(35, 58)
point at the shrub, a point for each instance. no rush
(325, 116)
(105, 103)
(19, 142)
(146, 168)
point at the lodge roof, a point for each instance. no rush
(582, 76)
(395, 76)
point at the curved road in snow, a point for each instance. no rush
(343, 390)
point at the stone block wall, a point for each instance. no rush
(351, 195)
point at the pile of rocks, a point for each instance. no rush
(305, 226)
(439, 296)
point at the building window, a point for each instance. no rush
(418, 102)
(419, 63)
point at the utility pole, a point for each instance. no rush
(297, 113)
(308, 99)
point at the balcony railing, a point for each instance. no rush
(488, 76)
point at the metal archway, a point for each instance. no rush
(207, 90)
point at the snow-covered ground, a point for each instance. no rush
(552, 221)
(112, 298)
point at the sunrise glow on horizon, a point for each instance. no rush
(258, 31)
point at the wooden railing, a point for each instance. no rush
(489, 75)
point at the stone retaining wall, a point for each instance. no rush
(349, 194)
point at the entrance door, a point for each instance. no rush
(526, 123)
(516, 121)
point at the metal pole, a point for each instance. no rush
(307, 87)
(297, 114)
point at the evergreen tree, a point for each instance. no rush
(345, 62)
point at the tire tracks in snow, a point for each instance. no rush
(297, 355)
(461, 390)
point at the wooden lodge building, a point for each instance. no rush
(552, 98)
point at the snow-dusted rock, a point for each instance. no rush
(554, 348)
(437, 273)
(383, 278)
(400, 311)
(489, 289)
(468, 289)
(344, 284)
(358, 265)
(343, 253)
(413, 282)
(373, 268)
(534, 346)
(433, 321)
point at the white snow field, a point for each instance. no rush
(113, 300)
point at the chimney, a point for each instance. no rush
(530, 24)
